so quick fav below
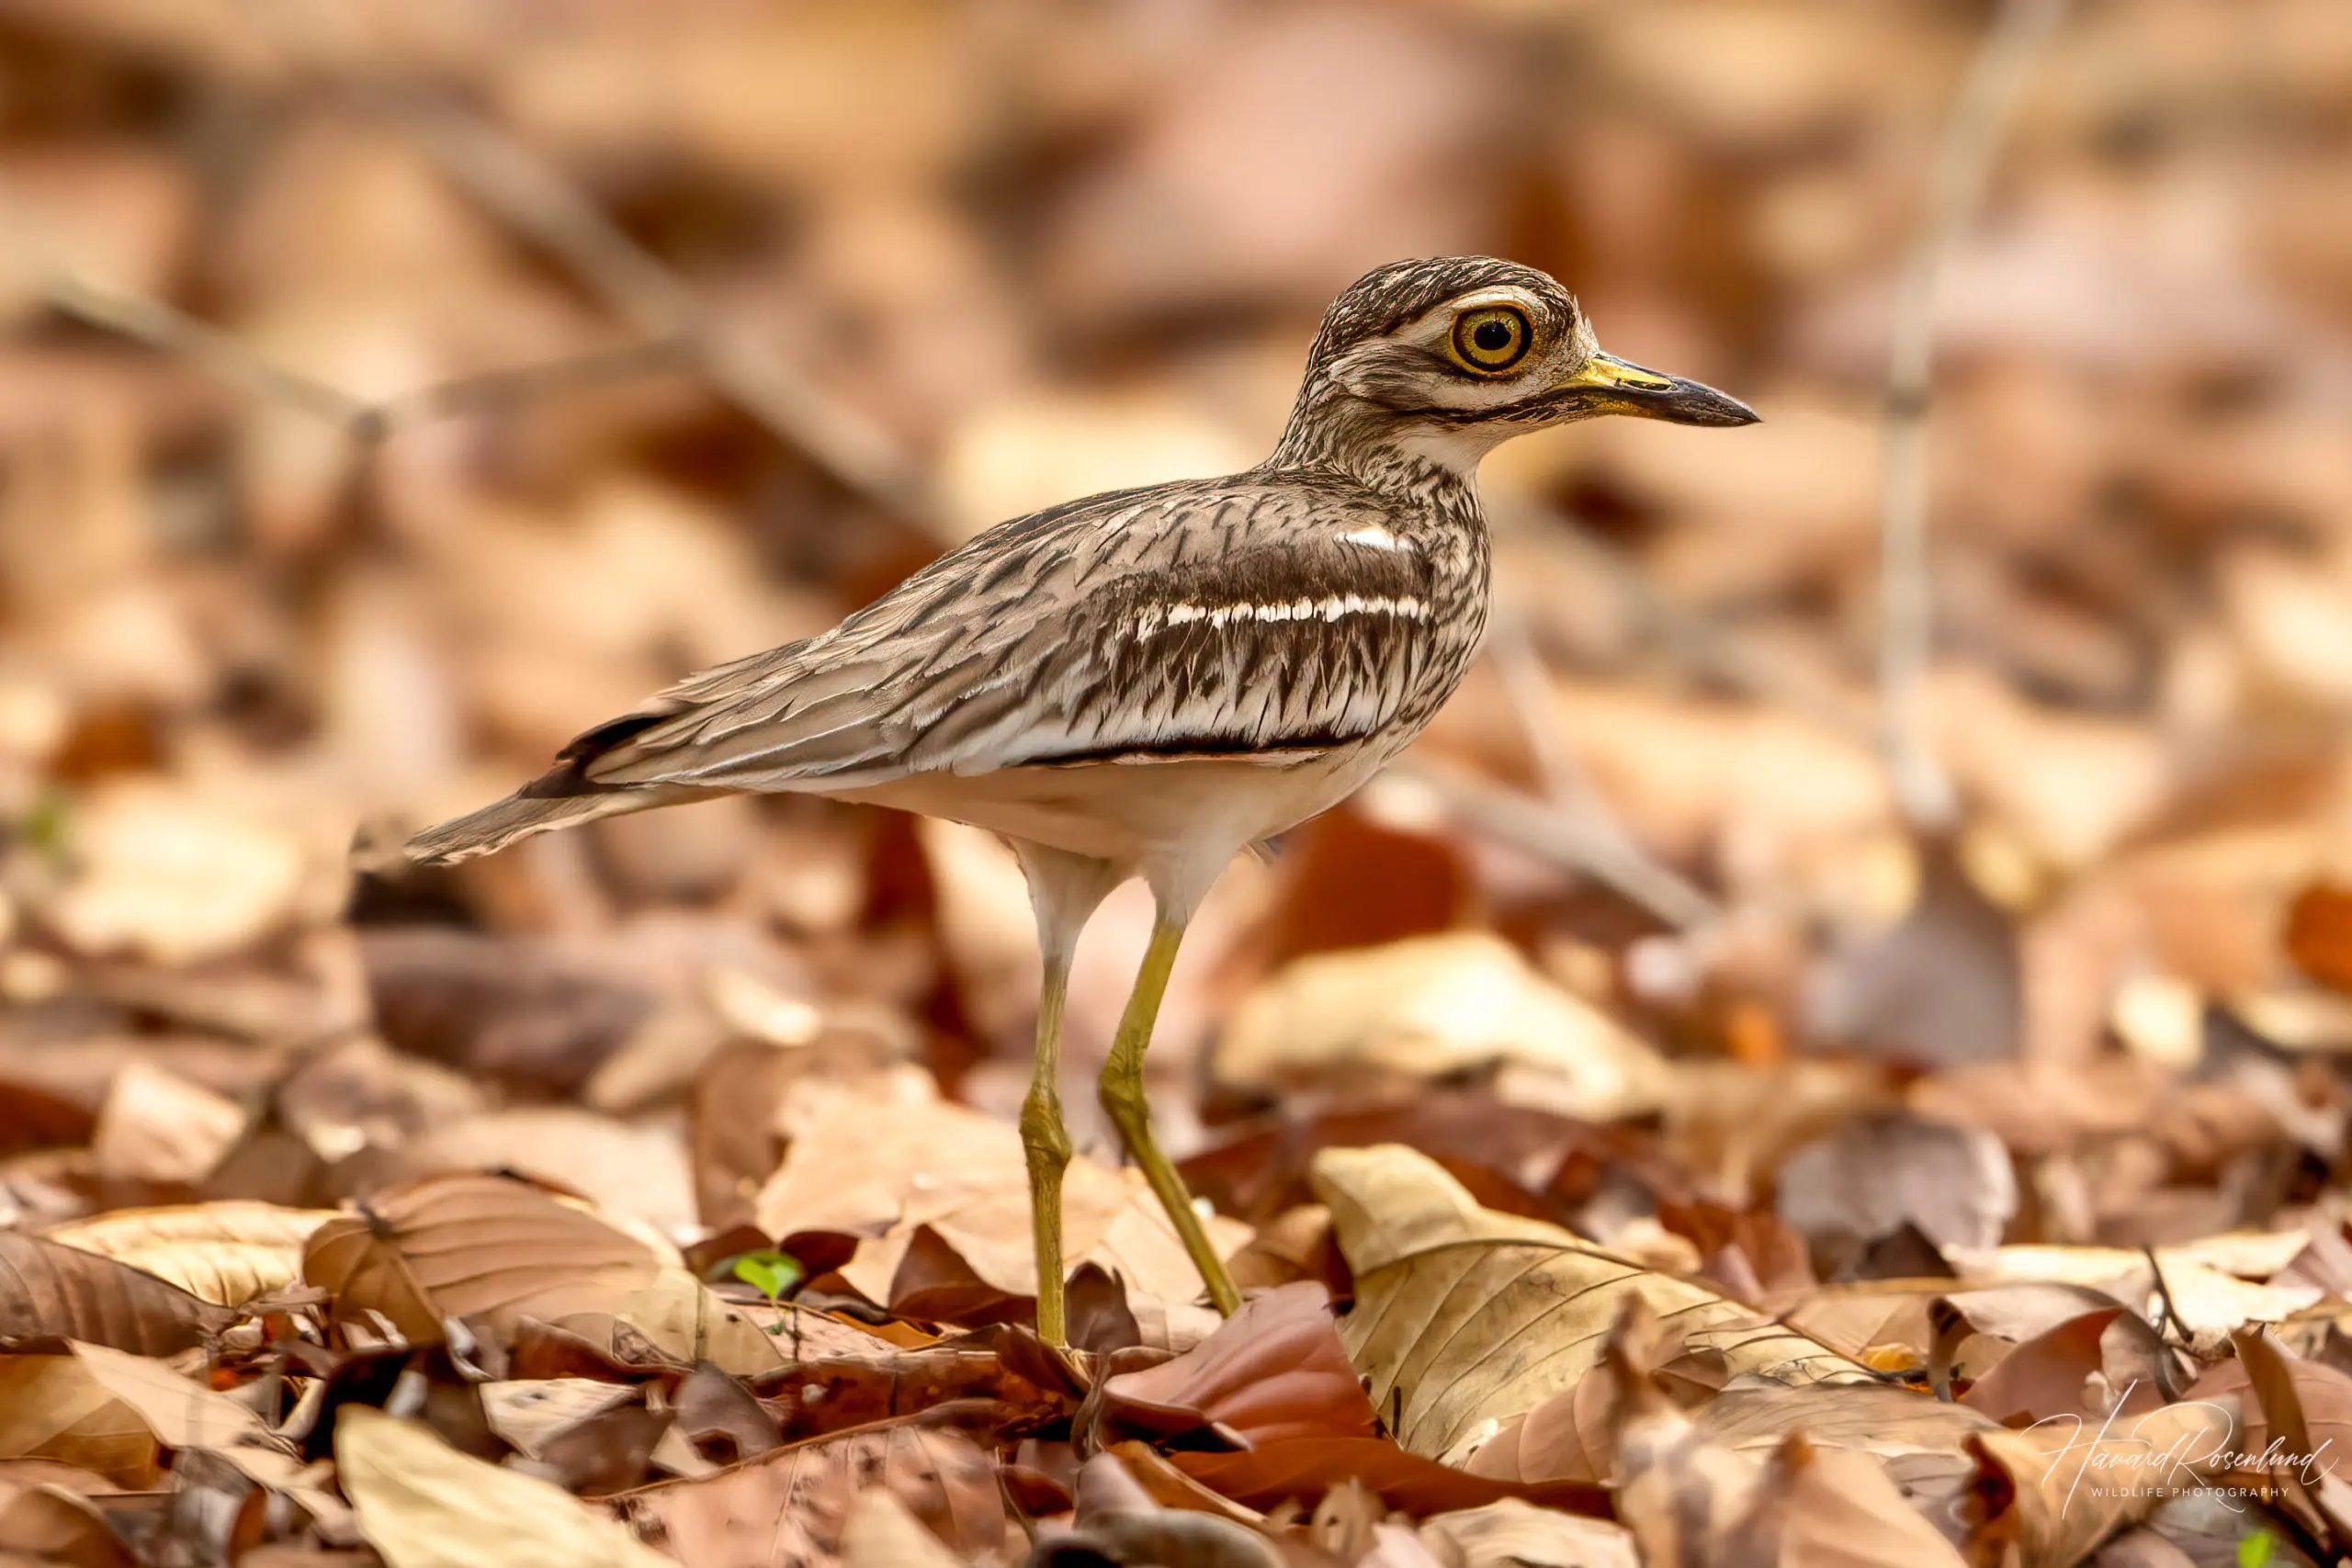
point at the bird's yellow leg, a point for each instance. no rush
(1046, 1142)
(1122, 1100)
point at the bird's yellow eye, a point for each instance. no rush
(1490, 340)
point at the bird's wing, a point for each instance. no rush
(1231, 616)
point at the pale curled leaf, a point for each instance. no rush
(181, 1413)
(224, 1253)
(50, 1408)
(1512, 1534)
(686, 1321)
(881, 1533)
(889, 1161)
(1430, 1007)
(1465, 1318)
(424, 1504)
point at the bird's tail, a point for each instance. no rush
(519, 815)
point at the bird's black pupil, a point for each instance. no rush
(1494, 336)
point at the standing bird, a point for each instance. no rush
(1150, 681)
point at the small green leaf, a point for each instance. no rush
(2254, 1550)
(46, 827)
(771, 1273)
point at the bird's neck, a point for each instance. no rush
(1424, 466)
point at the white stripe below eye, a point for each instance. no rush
(1156, 618)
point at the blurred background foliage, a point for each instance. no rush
(806, 292)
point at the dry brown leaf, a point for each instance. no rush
(424, 1504)
(158, 1126)
(2039, 1107)
(2319, 934)
(469, 1245)
(1689, 1499)
(1942, 989)
(181, 1413)
(1429, 1007)
(821, 1397)
(794, 1504)
(51, 1408)
(1878, 1171)
(2075, 1484)
(1274, 1371)
(1353, 878)
(46, 1517)
(722, 1418)
(167, 874)
(2210, 1298)
(1736, 1123)
(537, 1010)
(1838, 1505)
(881, 1532)
(890, 1169)
(2050, 1373)
(1890, 1422)
(1465, 1318)
(1304, 1468)
(1119, 1520)
(1567, 1436)
(734, 1135)
(360, 1094)
(733, 1141)
(526, 1414)
(1564, 1439)
(1512, 1534)
(623, 1170)
(1127, 1512)
(35, 1115)
(1682, 1497)
(2296, 1468)
(184, 1414)
(51, 1292)
(678, 1315)
(2322, 1397)
(1851, 1316)
(223, 1253)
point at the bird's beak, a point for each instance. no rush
(1606, 383)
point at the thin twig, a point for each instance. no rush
(489, 390)
(172, 331)
(2172, 1324)
(1605, 849)
(1963, 162)
(534, 196)
(1527, 683)
(1568, 839)
(159, 326)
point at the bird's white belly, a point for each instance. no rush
(1164, 817)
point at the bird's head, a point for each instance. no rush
(1448, 357)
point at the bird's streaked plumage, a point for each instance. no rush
(1326, 602)
(1148, 682)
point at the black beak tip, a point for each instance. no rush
(1709, 407)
